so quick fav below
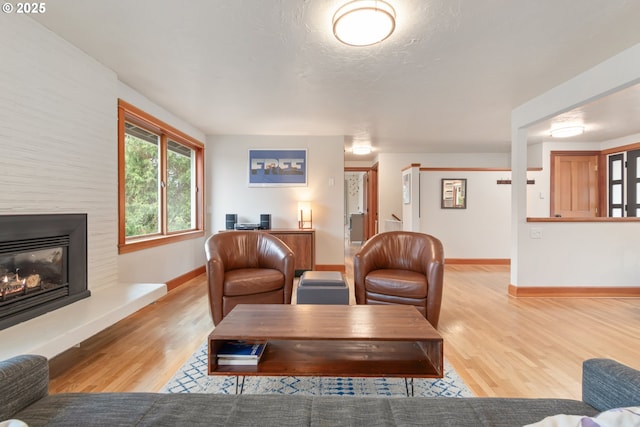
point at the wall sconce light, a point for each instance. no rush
(305, 215)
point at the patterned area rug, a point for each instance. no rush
(193, 378)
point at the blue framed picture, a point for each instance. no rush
(273, 168)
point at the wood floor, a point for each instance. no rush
(500, 346)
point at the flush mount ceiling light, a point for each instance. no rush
(361, 148)
(567, 131)
(364, 22)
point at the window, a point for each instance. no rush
(160, 189)
(624, 184)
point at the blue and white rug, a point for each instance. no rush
(193, 378)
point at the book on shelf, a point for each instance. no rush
(228, 361)
(240, 353)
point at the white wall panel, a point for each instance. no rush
(228, 178)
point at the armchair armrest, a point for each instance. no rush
(23, 381)
(607, 384)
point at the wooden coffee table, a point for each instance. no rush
(332, 340)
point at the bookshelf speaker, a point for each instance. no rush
(265, 221)
(231, 220)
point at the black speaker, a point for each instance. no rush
(265, 221)
(231, 220)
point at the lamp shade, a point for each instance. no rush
(364, 22)
(305, 215)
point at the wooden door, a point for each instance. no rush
(574, 184)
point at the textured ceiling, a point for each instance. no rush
(445, 81)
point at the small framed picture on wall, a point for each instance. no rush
(454, 193)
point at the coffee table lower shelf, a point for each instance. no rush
(366, 358)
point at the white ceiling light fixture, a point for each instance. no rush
(364, 22)
(567, 131)
(361, 148)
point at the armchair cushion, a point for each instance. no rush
(247, 281)
(401, 283)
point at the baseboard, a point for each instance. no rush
(573, 292)
(478, 261)
(331, 267)
(180, 280)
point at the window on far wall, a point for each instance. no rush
(624, 184)
(161, 174)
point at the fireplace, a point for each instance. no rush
(43, 264)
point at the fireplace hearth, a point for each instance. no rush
(43, 264)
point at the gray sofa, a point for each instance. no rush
(24, 396)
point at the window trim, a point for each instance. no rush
(132, 114)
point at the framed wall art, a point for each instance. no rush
(406, 188)
(277, 168)
(454, 193)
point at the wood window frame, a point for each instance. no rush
(132, 114)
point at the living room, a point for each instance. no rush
(59, 129)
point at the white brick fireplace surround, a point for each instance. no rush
(58, 137)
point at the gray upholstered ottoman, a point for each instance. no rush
(322, 287)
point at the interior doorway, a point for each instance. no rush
(361, 203)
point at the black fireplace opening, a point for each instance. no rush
(43, 264)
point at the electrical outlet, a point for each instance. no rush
(535, 233)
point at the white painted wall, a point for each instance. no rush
(572, 254)
(227, 186)
(390, 192)
(390, 166)
(619, 142)
(483, 229)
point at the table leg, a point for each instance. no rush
(241, 385)
(408, 383)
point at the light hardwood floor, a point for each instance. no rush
(500, 346)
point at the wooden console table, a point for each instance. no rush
(302, 243)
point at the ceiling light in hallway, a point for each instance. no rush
(566, 132)
(361, 147)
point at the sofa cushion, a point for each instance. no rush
(149, 409)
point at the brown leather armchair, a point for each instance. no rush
(247, 267)
(401, 267)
